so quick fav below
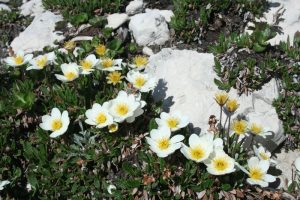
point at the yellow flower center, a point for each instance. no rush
(220, 164)
(197, 153)
(256, 129)
(256, 173)
(114, 78)
(101, 118)
(140, 61)
(107, 63)
(232, 105)
(113, 128)
(42, 61)
(239, 126)
(86, 64)
(163, 143)
(70, 75)
(18, 60)
(221, 98)
(101, 49)
(69, 45)
(264, 156)
(172, 122)
(139, 82)
(122, 109)
(56, 124)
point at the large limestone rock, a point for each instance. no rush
(117, 19)
(149, 29)
(167, 14)
(186, 83)
(135, 7)
(4, 7)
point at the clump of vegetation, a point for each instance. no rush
(78, 11)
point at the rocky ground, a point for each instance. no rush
(185, 70)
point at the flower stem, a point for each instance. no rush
(228, 136)
(221, 127)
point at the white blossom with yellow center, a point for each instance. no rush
(219, 163)
(162, 143)
(87, 65)
(70, 72)
(56, 122)
(19, 59)
(41, 61)
(174, 121)
(99, 116)
(109, 64)
(200, 147)
(125, 107)
(141, 81)
(257, 129)
(263, 154)
(258, 172)
(139, 62)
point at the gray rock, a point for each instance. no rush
(4, 7)
(117, 19)
(135, 7)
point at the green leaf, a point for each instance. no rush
(98, 21)
(226, 187)
(79, 19)
(115, 44)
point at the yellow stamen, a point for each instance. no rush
(107, 63)
(86, 64)
(42, 61)
(197, 153)
(264, 156)
(163, 143)
(18, 60)
(239, 126)
(256, 129)
(172, 122)
(101, 49)
(114, 78)
(139, 82)
(113, 128)
(101, 118)
(56, 124)
(232, 105)
(122, 109)
(220, 164)
(69, 45)
(70, 76)
(140, 61)
(221, 98)
(256, 173)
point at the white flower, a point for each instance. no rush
(258, 129)
(99, 115)
(111, 187)
(19, 59)
(258, 172)
(70, 72)
(88, 64)
(297, 164)
(109, 64)
(139, 62)
(3, 183)
(200, 147)
(219, 163)
(174, 121)
(263, 154)
(41, 61)
(125, 107)
(218, 144)
(161, 143)
(141, 81)
(56, 122)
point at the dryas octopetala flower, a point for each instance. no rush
(99, 116)
(109, 64)
(18, 59)
(141, 81)
(139, 62)
(221, 98)
(125, 107)
(88, 64)
(263, 154)
(101, 50)
(41, 61)
(174, 121)
(257, 129)
(258, 172)
(56, 122)
(70, 72)
(239, 126)
(114, 78)
(219, 163)
(200, 147)
(161, 143)
(231, 105)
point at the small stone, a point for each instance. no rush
(5, 7)
(147, 51)
(115, 20)
(134, 7)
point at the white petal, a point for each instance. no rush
(194, 140)
(264, 165)
(176, 138)
(55, 113)
(269, 178)
(253, 162)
